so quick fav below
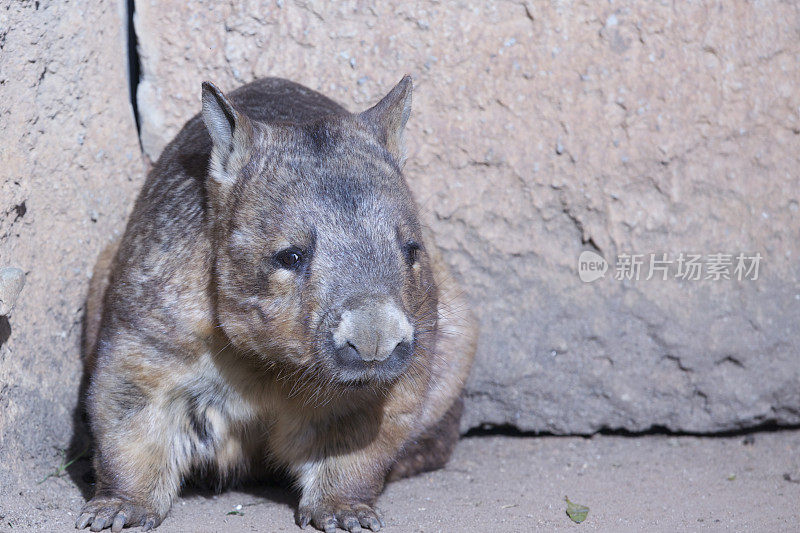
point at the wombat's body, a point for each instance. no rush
(274, 302)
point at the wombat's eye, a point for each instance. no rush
(290, 258)
(411, 251)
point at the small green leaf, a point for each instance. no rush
(237, 513)
(64, 465)
(576, 512)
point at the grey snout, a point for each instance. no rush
(373, 332)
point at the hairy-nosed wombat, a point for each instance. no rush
(274, 302)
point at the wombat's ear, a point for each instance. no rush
(231, 133)
(389, 117)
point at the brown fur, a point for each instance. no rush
(94, 302)
(209, 355)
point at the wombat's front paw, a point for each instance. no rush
(114, 512)
(348, 517)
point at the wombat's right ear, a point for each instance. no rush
(389, 117)
(231, 133)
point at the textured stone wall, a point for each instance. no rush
(70, 165)
(540, 130)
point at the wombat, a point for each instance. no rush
(274, 302)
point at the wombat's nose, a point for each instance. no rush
(372, 332)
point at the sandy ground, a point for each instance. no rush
(500, 483)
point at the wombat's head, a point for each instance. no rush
(320, 263)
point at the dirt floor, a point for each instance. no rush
(501, 483)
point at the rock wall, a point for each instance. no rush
(543, 129)
(540, 130)
(70, 165)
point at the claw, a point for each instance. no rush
(115, 513)
(83, 520)
(355, 518)
(370, 522)
(119, 523)
(303, 520)
(369, 518)
(98, 524)
(351, 524)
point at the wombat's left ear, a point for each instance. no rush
(231, 133)
(389, 116)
